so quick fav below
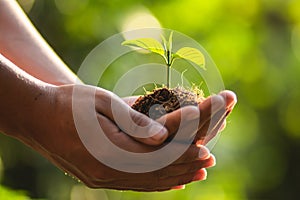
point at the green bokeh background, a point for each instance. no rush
(256, 46)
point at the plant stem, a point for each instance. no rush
(168, 54)
(168, 75)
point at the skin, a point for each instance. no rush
(36, 91)
(22, 44)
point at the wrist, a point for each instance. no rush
(38, 102)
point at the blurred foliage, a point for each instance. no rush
(8, 194)
(255, 44)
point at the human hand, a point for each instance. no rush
(219, 113)
(212, 114)
(53, 132)
(212, 117)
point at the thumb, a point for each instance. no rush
(137, 125)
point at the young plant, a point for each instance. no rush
(164, 49)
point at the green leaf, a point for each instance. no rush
(149, 44)
(191, 54)
(170, 43)
(164, 42)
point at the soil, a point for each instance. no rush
(163, 100)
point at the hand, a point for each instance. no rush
(54, 134)
(217, 121)
(212, 113)
(211, 117)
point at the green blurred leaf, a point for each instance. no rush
(9, 194)
(191, 54)
(164, 42)
(149, 44)
(168, 47)
(170, 41)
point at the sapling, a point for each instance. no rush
(164, 49)
(165, 100)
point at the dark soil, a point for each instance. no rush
(163, 100)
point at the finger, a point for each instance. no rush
(230, 99)
(193, 153)
(191, 159)
(178, 187)
(182, 124)
(213, 132)
(184, 179)
(150, 181)
(198, 175)
(154, 184)
(135, 124)
(213, 126)
(176, 119)
(210, 111)
(121, 139)
(185, 168)
(171, 170)
(105, 176)
(209, 107)
(210, 125)
(180, 118)
(130, 100)
(94, 177)
(223, 125)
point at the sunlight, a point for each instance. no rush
(139, 18)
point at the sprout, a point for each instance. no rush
(165, 50)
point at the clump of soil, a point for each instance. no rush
(163, 100)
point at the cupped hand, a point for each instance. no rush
(200, 123)
(212, 113)
(57, 136)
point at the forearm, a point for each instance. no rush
(21, 43)
(20, 95)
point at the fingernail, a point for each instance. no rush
(179, 187)
(200, 176)
(214, 160)
(203, 153)
(234, 99)
(230, 98)
(218, 102)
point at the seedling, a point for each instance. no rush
(165, 100)
(165, 50)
